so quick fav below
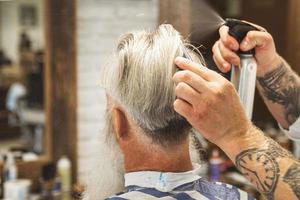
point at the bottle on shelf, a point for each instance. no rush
(64, 172)
(215, 163)
(10, 168)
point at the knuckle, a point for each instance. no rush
(225, 89)
(176, 103)
(268, 37)
(186, 76)
(251, 35)
(223, 30)
(226, 53)
(214, 49)
(221, 47)
(180, 87)
(188, 62)
(221, 96)
(177, 106)
(229, 86)
(219, 93)
(226, 42)
(216, 60)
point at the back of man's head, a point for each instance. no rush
(141, 82)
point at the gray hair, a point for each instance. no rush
(139, 78)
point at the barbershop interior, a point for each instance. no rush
(53, 110)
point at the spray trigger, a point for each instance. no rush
(239, 29)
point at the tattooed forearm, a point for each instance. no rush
(261, 166)
(282, 86)
(265, 173)
(292, 178)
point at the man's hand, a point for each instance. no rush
(225, 48)
(209, 102)
(211, 105)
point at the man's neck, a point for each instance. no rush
(156, 158)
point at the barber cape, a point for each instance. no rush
(144, 185)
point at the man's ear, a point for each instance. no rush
(120, 123)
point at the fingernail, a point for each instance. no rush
(178, 59)
(225, 66)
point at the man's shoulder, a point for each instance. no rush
(139, 193)
(200, 189)
(220, 190)
(117, 196)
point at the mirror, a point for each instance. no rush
(22, 116)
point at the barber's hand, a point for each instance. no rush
(224, 50)
(209, 102)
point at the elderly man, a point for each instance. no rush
(152, 137)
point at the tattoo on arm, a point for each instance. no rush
(282, 86)
(261, 167)
(292, 178)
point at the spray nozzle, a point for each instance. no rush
(239, 29)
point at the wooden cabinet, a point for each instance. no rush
(61, 80)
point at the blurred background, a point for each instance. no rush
(51, 52)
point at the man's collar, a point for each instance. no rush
(162, 181)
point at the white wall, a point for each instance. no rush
(10, 27)
(100, 23)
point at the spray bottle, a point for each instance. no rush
(244, 76)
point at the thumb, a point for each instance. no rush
(256, 39)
